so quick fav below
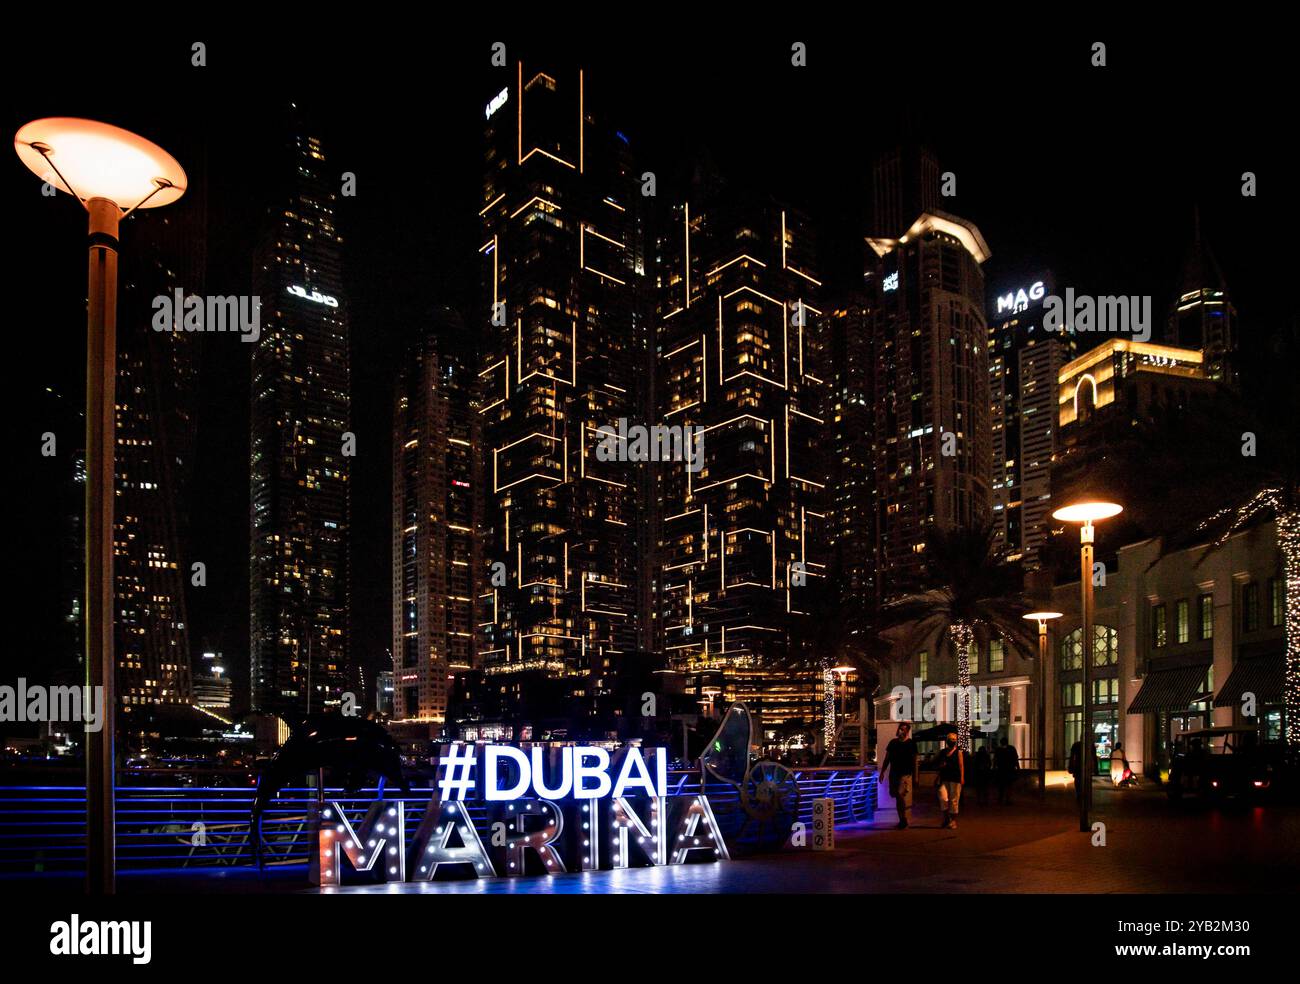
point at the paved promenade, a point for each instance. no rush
(1152, 846)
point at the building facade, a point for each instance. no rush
(850, 416)
(1106, 397)
(933, 452)
(437, 515)
(301, 444)
(741, 363)
(1181, 633)
(212, 685)
(1202, 315)
(1186, 635)
(560, 259)
(1024, 363)
(157, 377)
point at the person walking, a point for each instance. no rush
(1076, 768)
(952, 776)
(983, 773)
(901, 763)
(1006, 763)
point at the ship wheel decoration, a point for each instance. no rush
(769, 792)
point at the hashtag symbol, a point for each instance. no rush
(457, 768)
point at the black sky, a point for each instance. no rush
(1091, 172)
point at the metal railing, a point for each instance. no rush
(43, 828)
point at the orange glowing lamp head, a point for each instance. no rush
(95, 160)
(1087, 511)
(1041, 617)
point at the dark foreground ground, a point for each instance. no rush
(1151, 846)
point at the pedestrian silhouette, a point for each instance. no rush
(1006, 763)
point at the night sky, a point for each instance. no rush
(1093, 173)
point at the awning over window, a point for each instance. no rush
(1263, 676)
(1172, 688)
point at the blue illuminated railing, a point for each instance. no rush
(43, 828)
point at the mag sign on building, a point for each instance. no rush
(503, 810)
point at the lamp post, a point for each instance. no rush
(1086, 512)
(842, 672)
(103, 167)
(1042, 618)
(711, 693)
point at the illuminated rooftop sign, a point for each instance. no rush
(497, 102)
(313, 295)
(1018, 300)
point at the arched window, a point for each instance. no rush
(1105, 648)
(1082, 413)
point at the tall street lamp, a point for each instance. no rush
(107, 169)
(711, 694)
(1042, 618)
(843, 672)
(1086, 512)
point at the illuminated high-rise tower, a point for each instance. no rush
(1202, 315)
(740, 354)
(850, 417)
(560, 261)
(933, 450)
(157, 376)
(300, 449)
(437, 512)
(1024, 362)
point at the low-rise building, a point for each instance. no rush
(1186, 635)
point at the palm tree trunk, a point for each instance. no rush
(961, 635)
(828, 706)
(1288, 538)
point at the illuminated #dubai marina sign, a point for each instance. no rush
(502, 810)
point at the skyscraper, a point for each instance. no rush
(1041, 362)
(560, 262)
(741, 354)
(301, 443)
(157, 375)
(1023, 365)
(904, 184)
(850, 417)
(437, 514)
(1202, 315)
(933, 456)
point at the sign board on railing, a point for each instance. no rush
(823, 828)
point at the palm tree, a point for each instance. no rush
(839, 630)
(966, 595)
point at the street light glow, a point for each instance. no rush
(1087, 512)
(89, 159)
(1042, 616)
